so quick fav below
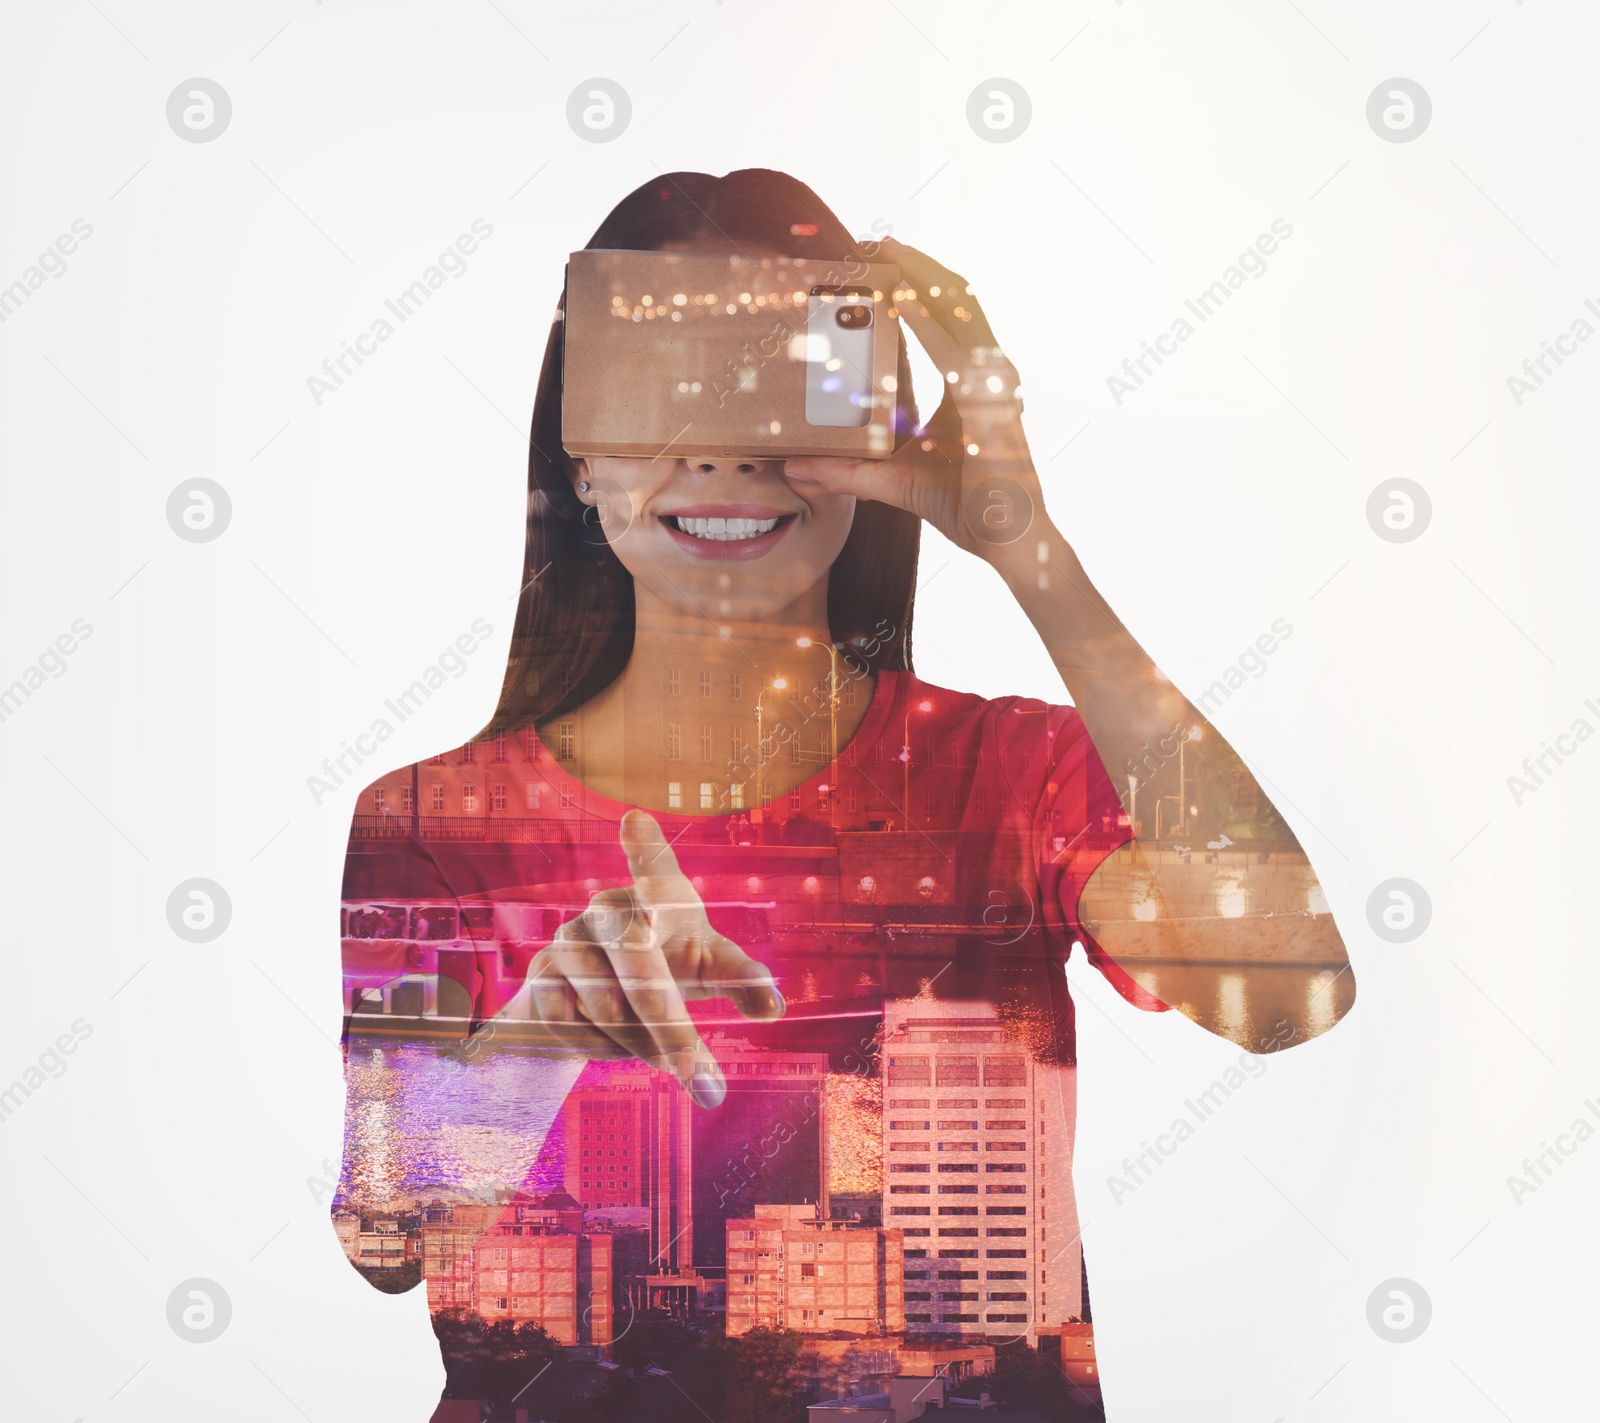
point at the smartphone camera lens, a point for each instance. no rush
(853, 318)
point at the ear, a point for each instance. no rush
(579, 473)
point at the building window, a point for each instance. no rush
(794, 750)
(436, 760)
(566, 796)
(497, 750)
(850, 800)
(497, 798)
(707, 800)
(469, 799)
(705, 684)
(735, 686)
(980, 795)
(377, 799)
(908, 1071)
(674, 741)
(674, 795)
(408, 799)
(469, 755)
(674, 682)
(1005, 1071)
(534, 790)
(438, 799)
(794, 799)
(958, 1071)
(736, 793)
(849, 696)
(566, 740)
(705, 741)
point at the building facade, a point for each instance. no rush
(974, 1127)
(790, 1269)
(548, 1275)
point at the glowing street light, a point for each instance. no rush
(1192, 735)
(777, 684)
(905, 755)
(833, 706)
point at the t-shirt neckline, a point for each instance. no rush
(884, 691)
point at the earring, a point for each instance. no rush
(583, 486)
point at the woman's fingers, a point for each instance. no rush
(658, 883)
(611, 959)
(944, 295)
(708, 964)
(728, 972)
(552, 1003)
(882, 480)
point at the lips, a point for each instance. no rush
(727, 530)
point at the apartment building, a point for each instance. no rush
(790, 1269)
(974, 1132)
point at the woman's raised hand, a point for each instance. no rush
(970, 474)
(615, 980)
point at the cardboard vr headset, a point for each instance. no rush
(679, 354)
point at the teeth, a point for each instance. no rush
(726, 530)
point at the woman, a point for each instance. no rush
(731, 791)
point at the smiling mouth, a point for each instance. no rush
(724, 530)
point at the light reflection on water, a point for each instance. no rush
(1252, 1003)
(423, 1120)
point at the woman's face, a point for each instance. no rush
(730, 538)
(726, 537)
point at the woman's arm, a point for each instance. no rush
(973, 478)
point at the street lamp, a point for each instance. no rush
(778, 684)
(1183, 820)
(833, 707)
(905, 756)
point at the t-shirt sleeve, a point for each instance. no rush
(1078, 824)
(398, 911)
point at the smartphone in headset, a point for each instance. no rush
(839, 356)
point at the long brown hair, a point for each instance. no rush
(575, 618)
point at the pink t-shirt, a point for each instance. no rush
(923, 967)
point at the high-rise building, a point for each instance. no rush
(974, 1131)
(788, 1268)
(767, 1144)
(627, 1144)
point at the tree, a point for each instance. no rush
(1027, 1382)
(762, 1377)
(654, 1339)
(497, 1360)
(392, 1281)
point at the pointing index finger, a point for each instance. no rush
(658, 881)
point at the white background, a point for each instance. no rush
(188, 1134)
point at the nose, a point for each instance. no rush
(725, 464)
